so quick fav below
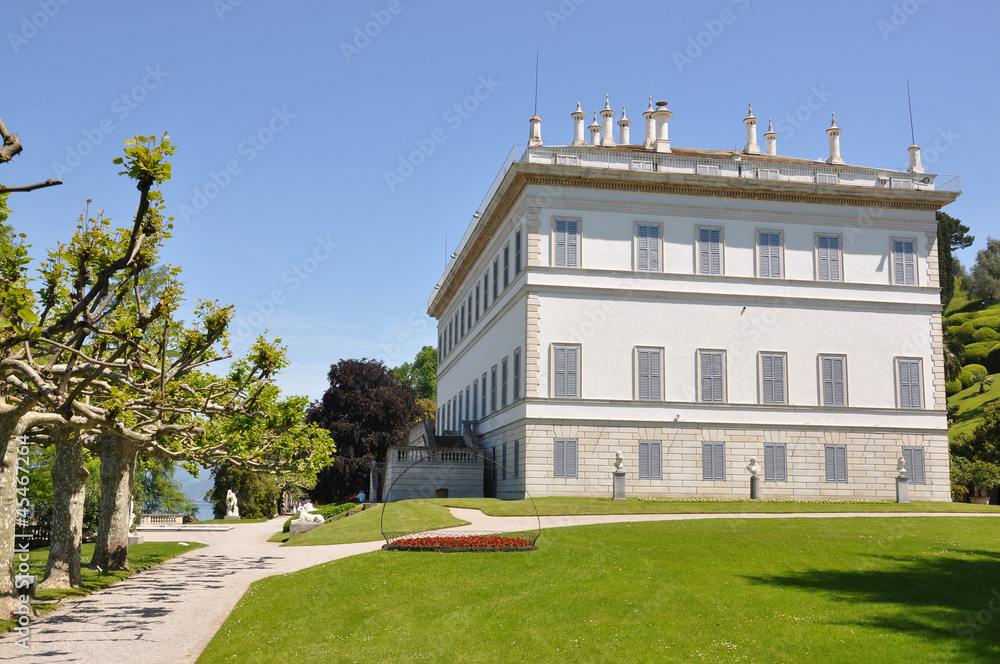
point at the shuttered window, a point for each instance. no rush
(650, 466)
(709, 251)
(484, 396)
(904, 262)
(649, 363)
(713, 462)
(470, 312)
(565, 461)
(914, 458)
(836, 463)
(828, 257)
(496, 279)
(468, 402)
(517, 252)
(833, 381)
(566, 371)
(770, 255)
(462, 333)
(772, 369)
(475, 399)
(493, 389)
(517, 374)
(503, 461)
(566, 242)
(503, 383)
(477, 302)
(909, 383)
(775, 469)
(648, 250)
(712, 376)
(486, 291)
(517, 459)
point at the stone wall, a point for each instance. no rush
(418, 472)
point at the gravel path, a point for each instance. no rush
(169, 613)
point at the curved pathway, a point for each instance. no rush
(169, 613)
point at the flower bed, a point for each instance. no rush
(461, 543)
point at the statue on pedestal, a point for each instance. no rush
(232, 511)
(753, 467)
(619, 466)
(901, 467)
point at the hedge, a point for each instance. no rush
(986, 334)
(965, 334)
(978, 352)
(952, 387)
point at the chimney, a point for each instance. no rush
(595, 132)
(608, 115)
(772, 138)
(623, 128)
(752, 147)
(834, 133)
(660, 116)
(535, 131)
(579, 117)
(650, 127)
(915, 165)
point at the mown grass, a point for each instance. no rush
(366, 526)
(140, 557)
(971, 405)
(778, 590)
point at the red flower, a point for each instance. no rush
(462, 542)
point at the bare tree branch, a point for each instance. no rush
(30, 187)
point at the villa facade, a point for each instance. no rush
(693, 309)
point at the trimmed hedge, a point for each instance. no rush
(952, 387)
(958, 319)
(965, 334)
(986, 334)
(978, 352)
(986, 321)
(965, 375)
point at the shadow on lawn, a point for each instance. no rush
(944, 599)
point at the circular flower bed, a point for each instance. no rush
(461, 543)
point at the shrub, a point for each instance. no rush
(978, 352)
(992, 361)
(986, 321)
(986, 334)
(964, 334)
(965, 376)
(952, 387)
(957, 319)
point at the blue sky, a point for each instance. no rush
(288, 118)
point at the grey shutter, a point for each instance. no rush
(706, 376)
(655, 469)
(644, 374)
(841, 453)
(503, 462)
(778, 393)
(838, 381)
(834, 243)
(767, 367)
(769, 475)
(654, 375)
(571, 239)
(571, 458)
(770, 255)
(517, 457)
(917, 475)
(908, 461)
(719, 460)
(831, 463)
(560, 371)
(643, 248)
(909, 384)
(654, 248)
(897, 251)
(643, 460)
(706, 462)
(559, 458)
(829, 258)
(780, 465)
(909, 264)
(715, 251)
(717, 377)
(704, 261)
(571, 371)
(560, 243)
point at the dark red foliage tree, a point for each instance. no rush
(366, 409)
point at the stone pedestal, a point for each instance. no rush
(754, 487)
(619, 486)
(234, 517)
(135, 538)
(902, 490)
(299, 526)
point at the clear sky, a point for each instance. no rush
(289, 116)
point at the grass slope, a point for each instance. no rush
(971, 405)
(783, 590)
(404, 516)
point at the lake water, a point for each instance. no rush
(204, 512)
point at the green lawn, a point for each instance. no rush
(784, 590)
(404, 516)
(140, 557)
(230, 521)
(971, 405)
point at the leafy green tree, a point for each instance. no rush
(421, 375)
(257, 494)
(157, 491)
(984, 279)
(952, 234)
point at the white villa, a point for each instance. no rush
(692, 308)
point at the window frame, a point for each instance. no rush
(699, 378)
(486, 290)
(636, 239)
(894, 255)
(822, 381)
(504, 376)
(506, 266)
(477, 302)
(637, 373)
(516, 376)
(555, 236)
(653, 450)
(493, 389)
(911, 467)
(722, 251)
(771, 473)
(836, 464)
(781, 254)
(518, 263)
(840, 256)
(717, 474)
(475, 400)
(898, 372)
(485, 413)
(762, 380)
(517, 458)
(496, 279)
(565, 443)
(553, 364)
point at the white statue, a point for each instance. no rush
(619, 466)
(753, 467)
(232, 511)
(901, 467)
(306, 517)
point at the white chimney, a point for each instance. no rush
(623, 128)
(772, 138)
(752, 147)
(609, 127)
(661, 115)
(650, 127)
(579, 117)
(915, 165)
(595, 132)
(535, 131)
(834, 133)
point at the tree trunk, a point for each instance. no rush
(8, 516)
(68, 482)
(117, 477)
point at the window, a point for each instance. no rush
(458, 414)
(467, 406)
(486, 291)
(649, 460)
(709, 251)
(503, 383)
(648, 365)
(904, 261)
(517, 252)
(484, 395)
(496, 279)
(439, 347)
(836, 463)
(648, 248)
(833, 380)
(447, 416)
(451, 337)
(775, 468)
(477, 303)
(827, 178)
(515, 470)
(517, 374)
(463, 322)
(475, 399)
(493, 466)
(564, 458)
(706, 169)
(470, 311)
(828, 257)
(566, 242)
(772, 374)
(566, 374)
(440, 420)
(712, 378)
(769, 250)
(503, 461)
(506, 266)
(909, 382)
(914, 459)
(713, 462)
(493, 389)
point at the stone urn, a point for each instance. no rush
(980, 500)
